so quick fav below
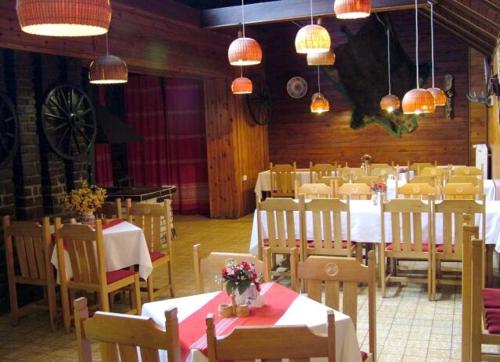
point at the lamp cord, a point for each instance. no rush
(389, 58)
(432, 40)
(416, 42)
(243, 16)
(311, 8)
(319, 84)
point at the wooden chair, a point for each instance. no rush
(449, 216)
(355, 191)
(271, 343)
(327, 228)
(151, 218)
(29, 246)
(125, 338)
(416, 167)
(111, 210)
(88, 264)
(314, 191)
(284, 228)
(410, 240)
(467, 179)
(468, 171)
(370, 180)
(283, 178)
(333, 181)
(383, 171)
(207, 270)
(460, 191)
(320, 170)
(415, 190)
(351, 173)
(431, 180)
(479, 321)
(327, 273)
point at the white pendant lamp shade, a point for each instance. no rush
(108, 69)
(326, 58)
(312, 38)
(319, 104)
(242, 85)
(418, 101)
(64, 18)
(352, 9)
(390, 103)
(244, 52)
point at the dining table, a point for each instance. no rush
(282, 307)
(124, 246)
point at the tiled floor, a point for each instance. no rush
(409, 327)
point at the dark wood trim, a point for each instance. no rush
(466, 22)
(480, 17)
(468, 38)
(284, 10)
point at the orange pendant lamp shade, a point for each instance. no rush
(67, 18)
(418, 101)
(319, 104)
(312, 38)
(108, 69)
(352, 9)
(242, 85)
(244, 51)
(439, 96)
(390, 103)
(327, 58)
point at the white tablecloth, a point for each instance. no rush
(124, 246)
(365, 225)
(302, 311)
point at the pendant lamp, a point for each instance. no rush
(64, 17)
(437, 93)
(108, 69)
(418, 100)
(389, 102)
(352, 9)
(244, 51)
(312, 38)
(242, 85)
(326, 58)
(319, 103)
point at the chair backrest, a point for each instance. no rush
(467, 179)
(154, 220)
(207, 271)
(314, 191)
(320, 170)
(333, 181)
(327, 227)
(452, 218)
(360, 191)
(111, 210)
(125, 337)
(351, 173)
(328, 274)
(85, 247)
(431, 180)
(298, 343)
(467, 170)
(415, 190)
(433, 171)
(383, 171)
(460, 191)
(417, 167)
(406, 227)
(282, 179)
(370, 180)
(28, 244)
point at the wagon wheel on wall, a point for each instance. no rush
(68, 121)
(8, 130)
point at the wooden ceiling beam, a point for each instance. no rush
(466, 37)
(453, 14)
(493, 4)
(285, 10)
(468, 10)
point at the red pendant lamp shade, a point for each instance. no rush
(327, 58)
(390, 103)
(244, 51)
(418, 101)
(352, 9)
(66, 18)
(439, 96)
(319, 104)
(108, 69)
(242, 85)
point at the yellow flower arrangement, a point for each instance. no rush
(86, 199)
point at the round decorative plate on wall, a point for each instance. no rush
(296, 87)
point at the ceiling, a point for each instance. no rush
(209, 4)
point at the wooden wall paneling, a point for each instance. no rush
(494, 122)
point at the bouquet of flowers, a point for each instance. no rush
(85, 199)
(379, 187)
(239, 276)
(366, 158)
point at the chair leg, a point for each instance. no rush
(14, 307)
(171, 279)
(151, 289)
(51, 296)
(104, 299)
(66, 308)
(430, 278)
(382, 271)
(434, 266)
(137, 294)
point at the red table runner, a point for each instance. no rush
(192, 329)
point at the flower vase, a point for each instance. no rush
(87, 218)
(378, 197)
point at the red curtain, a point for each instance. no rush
(187, 150)
(102, 152)
(144, 110)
